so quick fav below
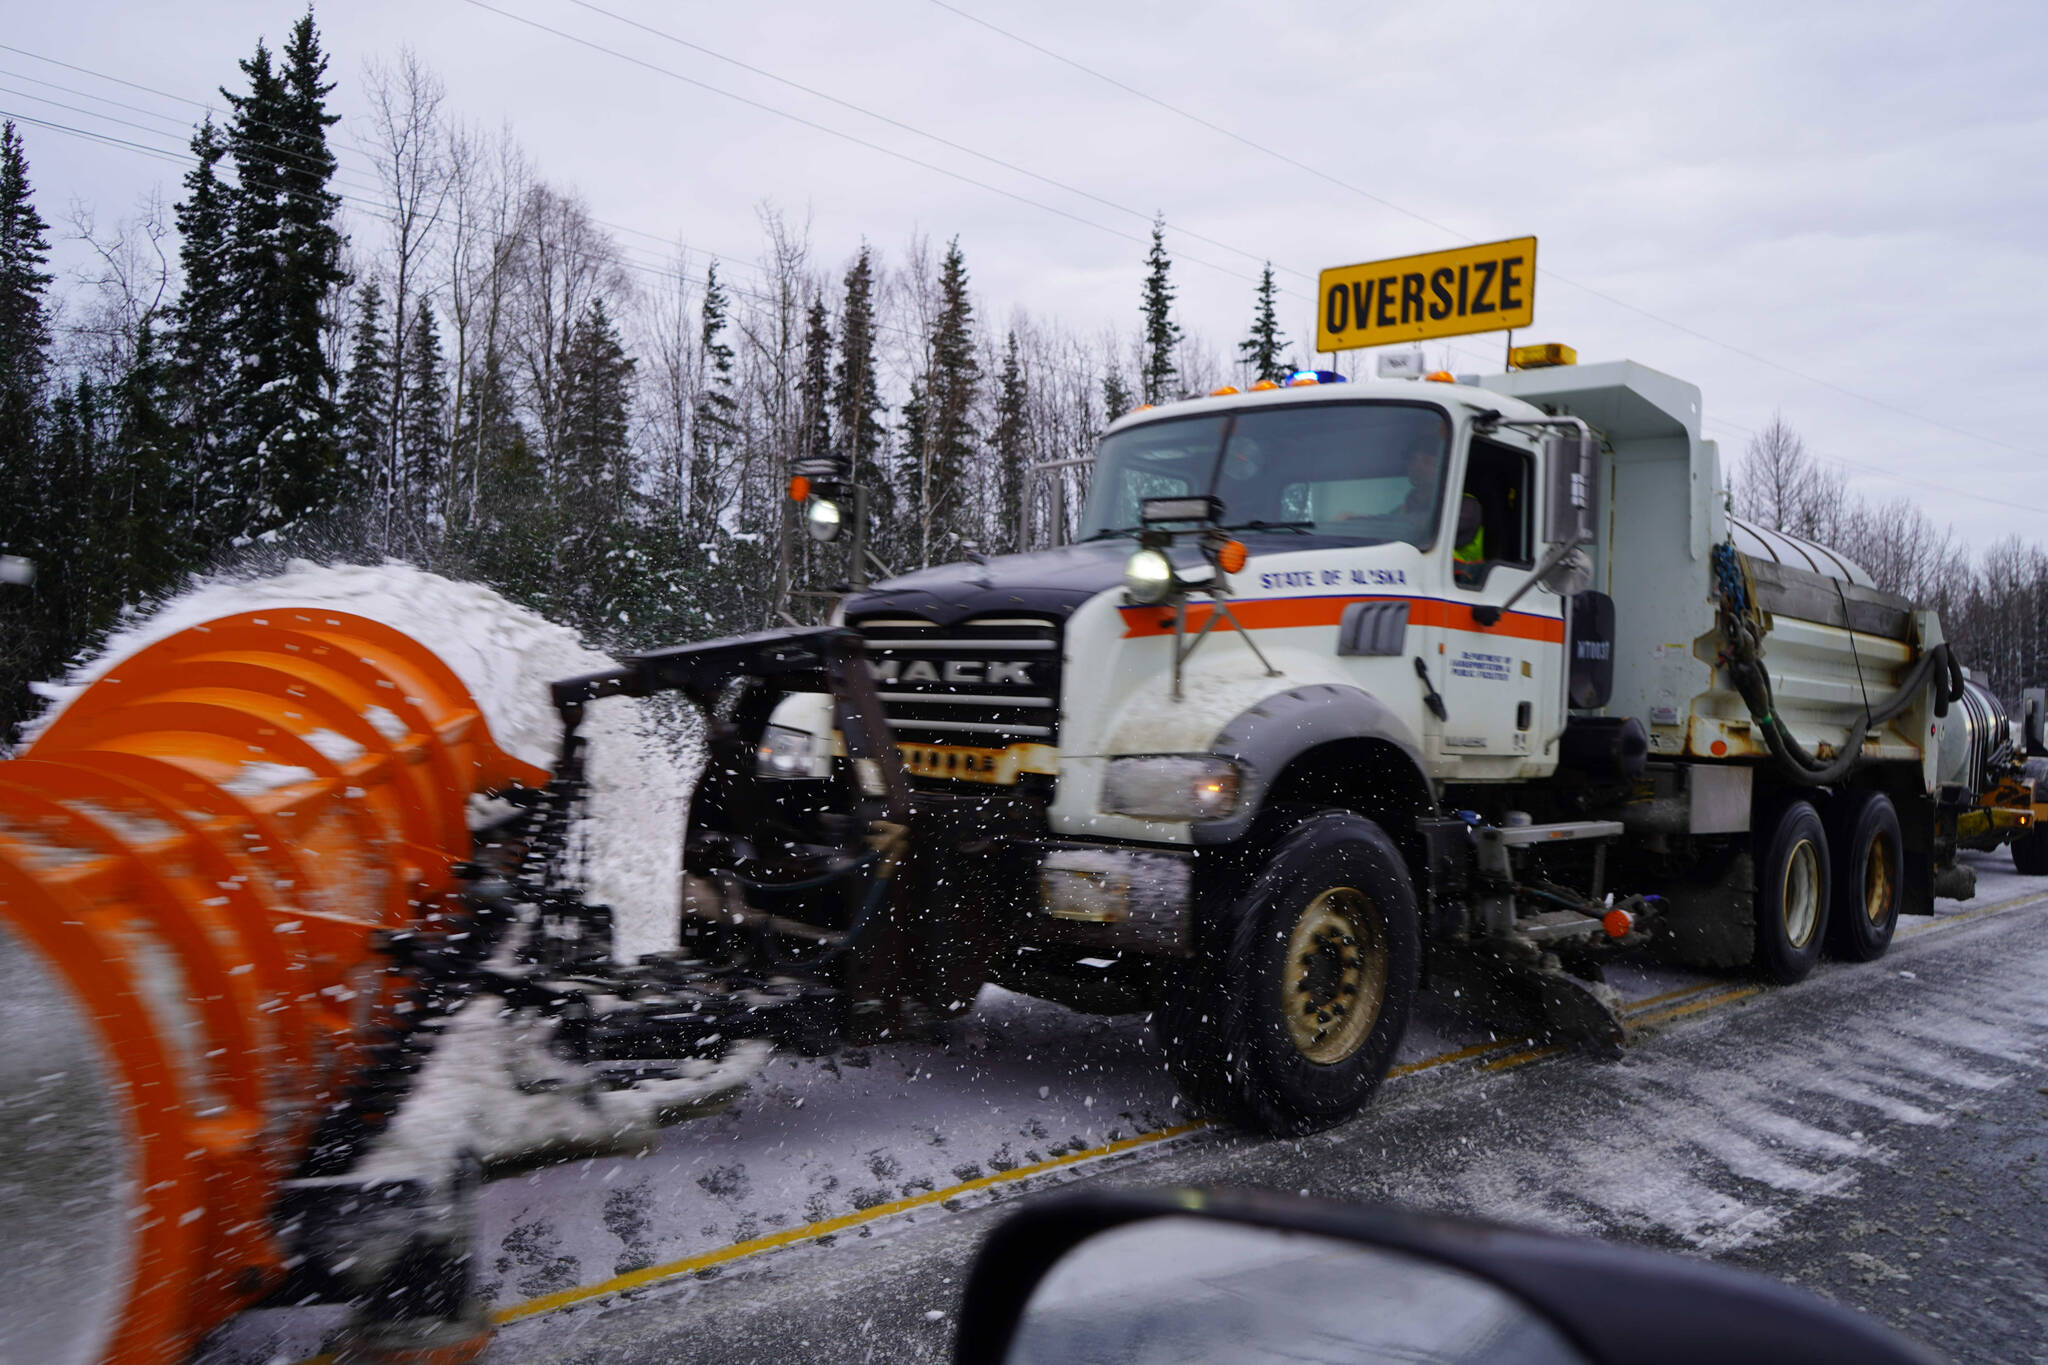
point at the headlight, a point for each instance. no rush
(787, 753)
(1172, 787)
(1149, 575)
(822, 519)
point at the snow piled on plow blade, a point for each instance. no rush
(506, 656)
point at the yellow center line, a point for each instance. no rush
(639, 1279)
(1635, 1007)
(1695, 1006)
(1508, 1063)
(1444, 1058)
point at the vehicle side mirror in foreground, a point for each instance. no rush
(1181, 1277)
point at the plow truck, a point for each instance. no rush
(1346, 689)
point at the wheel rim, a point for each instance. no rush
(1335, 978)
(1879, 879)
(1801, 898)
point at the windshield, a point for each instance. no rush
(1361, 471)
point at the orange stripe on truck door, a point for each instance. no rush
(1282, 613)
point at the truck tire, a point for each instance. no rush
(1792, 876)
(1317, 971)
(1869, 863)
(2030, 853)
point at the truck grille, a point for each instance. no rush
(989, 682)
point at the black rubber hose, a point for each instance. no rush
(1800, 767)
(831, 952)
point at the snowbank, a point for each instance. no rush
(506, 655)
(493, 1089)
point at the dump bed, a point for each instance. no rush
(1833, 644)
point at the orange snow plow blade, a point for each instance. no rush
(196, 857)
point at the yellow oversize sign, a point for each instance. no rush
(1438, 294)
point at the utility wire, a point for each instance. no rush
(912, 129)
(1463, 236)
(370, 181)
(1881, 473)
(98, 75)
(365, 176)
(839, 133)
(636, 267)
(178, 119)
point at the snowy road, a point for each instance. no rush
(873, 1167)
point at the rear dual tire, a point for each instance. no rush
(1837, 883)
(1869, 873)
(1792, 894)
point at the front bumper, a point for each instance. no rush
(1102, 896)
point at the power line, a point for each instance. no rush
(145, 89)
(89, 113)
(920, 132)
(1877, 472)
(365, 178)
(87, 94)
(838, 133)
(1389, 204)
(956, 146)
(370, 181)
(641, 268)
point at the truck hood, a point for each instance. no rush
(1051, 582)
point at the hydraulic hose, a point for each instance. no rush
(1753, 682)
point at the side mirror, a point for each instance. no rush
(1574, 507)
(2033, 720)
(1184, 1275)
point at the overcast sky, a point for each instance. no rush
(1837, 211)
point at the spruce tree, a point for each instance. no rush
(202, 365)
(285, 261)
(24, 320)
(504, 476)
(365, 396)
(145, 506)
(1011, 440)
(423, 438)
(712, 424)
(951, 384)
(70, 563)
(594, 556)
(857, 399)
(814, 389)
(1261, 350)
(1116, 395)
(1161, 333)
(30, 635)
(597, 382)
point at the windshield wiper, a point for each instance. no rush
(1298, 527)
